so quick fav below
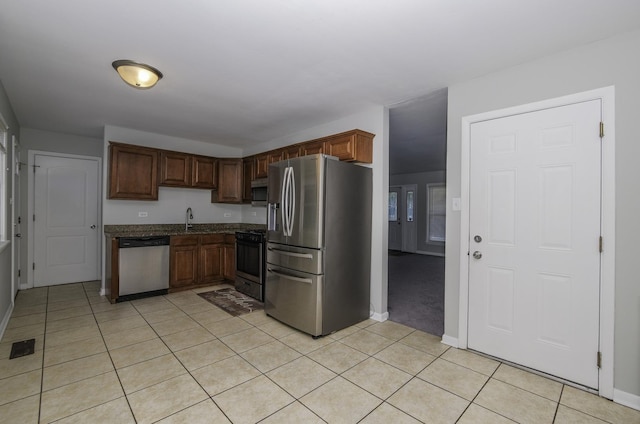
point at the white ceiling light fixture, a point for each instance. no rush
(137, 75)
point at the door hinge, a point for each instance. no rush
(18, 273)
(601, 129)
(600, 249)
(19, 220)
(34, 217)
(33, 266)
(599, 360)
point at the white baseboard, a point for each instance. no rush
(5, 320)
(451, 341)
(380, 317)
(24, 286)
(626, 399)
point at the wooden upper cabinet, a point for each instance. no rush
(275, 156)
(262, 165)
(185, 170)
(291, 152)
(230, 186)
(311, 148)
(175, 169)
(133, 172)
(352, 146)
(204, 172)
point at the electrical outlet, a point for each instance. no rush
(227, 214)
(143, 214)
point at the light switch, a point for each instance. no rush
(142, 214)
(455, 204)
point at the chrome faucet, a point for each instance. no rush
(187, 221)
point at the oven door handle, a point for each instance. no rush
(292, 254)
(291, 277)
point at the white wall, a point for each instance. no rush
(609, 62)
(6, 294)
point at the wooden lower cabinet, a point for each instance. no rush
(211, 258)
(201, 260)
(229, 272)
(183, 257)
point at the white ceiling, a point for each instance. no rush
(241, 72)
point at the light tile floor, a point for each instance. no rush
(179, 359)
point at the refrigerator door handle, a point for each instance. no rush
(285, 206)
(292, 254)
(291, 277)
(292, 189)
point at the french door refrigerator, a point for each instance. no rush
(318, 243)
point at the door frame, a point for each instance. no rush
(16, 209)
(31, 205)
(607, 257)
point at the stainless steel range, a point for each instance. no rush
(251, 263)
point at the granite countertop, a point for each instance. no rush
(147, 230)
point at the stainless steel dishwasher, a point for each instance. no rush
(143, 266)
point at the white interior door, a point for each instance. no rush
(534, 225)
(395, 218)
(66, 194)
(409, 225)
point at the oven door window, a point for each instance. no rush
(248, 259)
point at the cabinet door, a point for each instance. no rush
(184, 261)
(204, 173)
(291, 152)
(248, 175)
(211, 262)
(230, 258)
(262, 165)
(312, 148)
(175, 169)
(229, 182)
(133, 172)
(354, 146)
(276, 156)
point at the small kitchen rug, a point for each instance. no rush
(232, 302)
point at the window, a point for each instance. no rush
(393, 206)
(436, 212)
(3, 181)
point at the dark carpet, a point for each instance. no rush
(232, 302)
(416, 291)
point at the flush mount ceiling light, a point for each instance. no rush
(137, 75)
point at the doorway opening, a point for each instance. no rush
(417, 170)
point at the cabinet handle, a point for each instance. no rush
(293, 254)
(291, 277)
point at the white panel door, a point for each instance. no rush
(66, 219)
(534, 259)
(395, 218)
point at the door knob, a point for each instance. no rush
(93, 227)
(18, 235)
(477, 255)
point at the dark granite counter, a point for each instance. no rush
(147, 230)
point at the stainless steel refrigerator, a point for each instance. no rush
(318, 243)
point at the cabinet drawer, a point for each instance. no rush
(212, 238)
(189, 240)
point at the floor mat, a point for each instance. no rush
(232, 302)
